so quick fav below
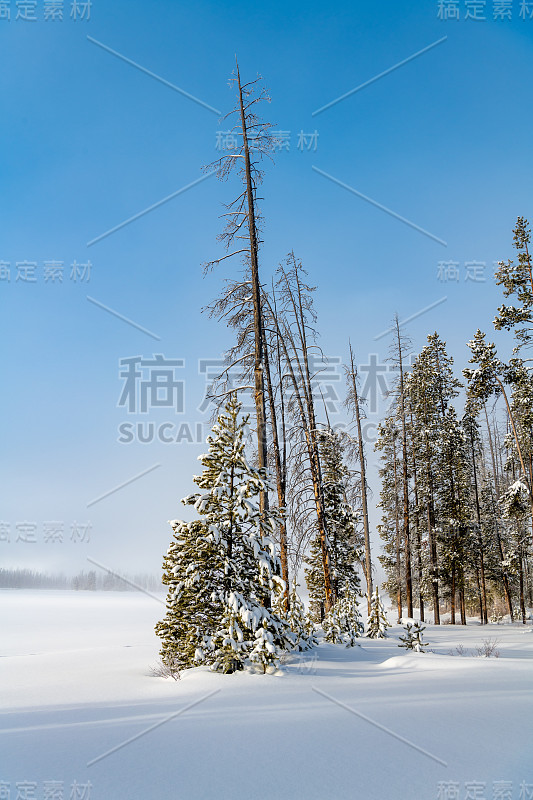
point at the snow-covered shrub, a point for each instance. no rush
(166, 670)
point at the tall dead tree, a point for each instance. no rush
(275, 387)
(398, 353)
(256, 141)
(353, 402)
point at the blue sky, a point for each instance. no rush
(89, 141)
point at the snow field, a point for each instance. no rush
(76, 684)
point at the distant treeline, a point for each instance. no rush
(84, 581)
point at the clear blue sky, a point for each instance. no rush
(89, 141)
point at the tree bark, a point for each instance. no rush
(398, 557)
(506, 586)
(364, 496)
(483, 588)
(405, 482)
(418, 536)
(432, 541)
(280, 479)
(259, 393)
(308, 421)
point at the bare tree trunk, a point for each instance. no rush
(418, 537)
(521, 579)
(483, 592)
(432, 541)
(364, 497)
(259, 393)
(299, 316)
(405, 482)
(308, 422)
(462, 606)
(398, 558)
(528, 582)
(480, 598)
(281, 481)
(452, 596)
(506, 586)
(228, 585)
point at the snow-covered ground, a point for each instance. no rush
(80, 708)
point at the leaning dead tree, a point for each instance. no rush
(255, 141)
(274, 376)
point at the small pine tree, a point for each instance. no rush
(343, 623)
(413, 638)
(377, 621)
(298, 622)
(310, 626)
(331, 626)
(265, 654)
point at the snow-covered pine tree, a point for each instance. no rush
(499, 577)
(516, 507)
(517, 280)
(425, 439)
(299, 624)
(413, 638)
(442, 470)
(298, 621)
(455, 511)
(341, 520)
(389, 528)
(488, 378)
(194, 572)
(419, 575)
(478, 541)
(331, 625)
(343, 623)
(221, 568)
(265, 654)
(377, 621)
